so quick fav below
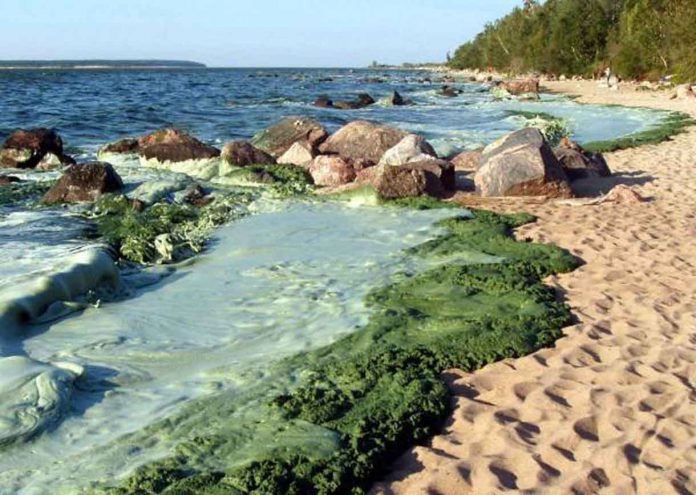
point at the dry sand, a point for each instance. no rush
(612, 408)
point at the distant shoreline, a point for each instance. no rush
(98, 64)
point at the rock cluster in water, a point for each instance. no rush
(362, 153)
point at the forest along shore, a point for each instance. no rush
(612, 405)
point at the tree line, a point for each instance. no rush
(637, 39)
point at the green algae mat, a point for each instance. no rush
(335, 417)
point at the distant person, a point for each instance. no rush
(607, 74)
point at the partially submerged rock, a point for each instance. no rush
(173, 145)
(299, 154)
(449, 92)
(521, 87)
(278, 139)
(331, 171)
(412, 148)
(397, 100)
(362, 140)
(28, 148)
(243, 153)
(6, 180)
(363, 100)
(521, 164)
(84, 182)
(323, 102)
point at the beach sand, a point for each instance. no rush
(612, 408)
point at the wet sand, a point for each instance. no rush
(612, 408)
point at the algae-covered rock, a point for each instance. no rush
(34, 396)
(521, 164)
(278, 139)
(363, 140)
(153, 191)
(84, 182)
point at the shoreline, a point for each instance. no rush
(611, 405)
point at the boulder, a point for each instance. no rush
(84, 182)
(443, 169)
(683, 92)
(6, 180)
(521, 164)
(49, 162)
(346, 105)
(579, 164)
(243, 153)
(362, 140)
(278, 139)
(397, 100)
(521, 87)
(412, 148)
(367, 175)
(407, 181)
(363, 100)
(468, 161)
(172, 145)
(26, 149)
(449, 92)
(323, 102)
(127, 145)
(331, 171)
(298, 154)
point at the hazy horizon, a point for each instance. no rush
(267, 34)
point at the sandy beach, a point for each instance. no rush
(612, 408)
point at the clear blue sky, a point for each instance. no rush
(244, 32)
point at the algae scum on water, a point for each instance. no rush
(352, 406)
(301, 354)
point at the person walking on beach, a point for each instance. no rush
(607, 74)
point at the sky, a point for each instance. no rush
(244, 33)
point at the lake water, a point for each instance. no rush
(290, 277)
(90, 108)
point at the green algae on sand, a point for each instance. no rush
(379, 390)
(675, 123)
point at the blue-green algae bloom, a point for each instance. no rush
(338, 415)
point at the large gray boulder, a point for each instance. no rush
(362, 140)
(29, 148)
(278, 139)
(84, 182)
(412, 148)
(521, 164)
